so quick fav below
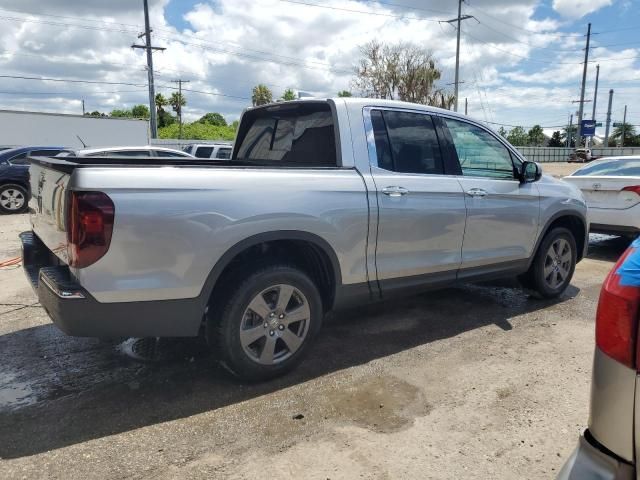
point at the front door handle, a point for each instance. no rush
(395, 191)
(477, 192)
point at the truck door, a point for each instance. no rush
(421, 207)
(502, 212)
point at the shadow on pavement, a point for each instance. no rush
(607, 248)
(60, 391)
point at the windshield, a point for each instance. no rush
(611, 168)
(298, 134)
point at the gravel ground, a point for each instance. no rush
(470, 382)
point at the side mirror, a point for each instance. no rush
(530, 172)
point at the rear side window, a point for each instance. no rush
(289, 134)
(166, 153)
(224, 154)
(480, 154)
(129, 153)
(204, 152)
(19, 159)
(45, 153)
(406, 142)
(613, 168)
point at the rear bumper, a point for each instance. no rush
(74, 310)
(614, 221)
(589, 462)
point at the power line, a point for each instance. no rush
(73, 80)
(379, 14)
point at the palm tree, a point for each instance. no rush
(261, 95)
(177, 101)
(161, 102)
(623, 132)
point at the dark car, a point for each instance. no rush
(14, 176)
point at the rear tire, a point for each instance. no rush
(553, 265)
(13, 198)
(261, 325)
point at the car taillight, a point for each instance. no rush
(89, 227)
(617, 316)
(632, 188)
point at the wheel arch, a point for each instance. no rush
(572, 221)
(309, 251)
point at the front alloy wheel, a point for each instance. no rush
(13, 199)
(558, 263)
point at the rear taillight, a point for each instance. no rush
(89, 227)
(617, 316)
(632, 188)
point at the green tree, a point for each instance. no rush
(235, 125)
(502, 132)
(570, 132)
(261, 95)
(140, 111)
(517, 137)
(213, 118)
(198, 131)
(624, 129)
(288, 95)
(536, 136)
(121, 113)
(95, 113)
(344, 93)
(556, 140)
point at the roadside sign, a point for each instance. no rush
(617, 124)
(588, 128)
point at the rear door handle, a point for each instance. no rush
(477, 192)
(395, 191)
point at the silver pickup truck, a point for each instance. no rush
(324, 203)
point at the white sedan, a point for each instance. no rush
(611, 187)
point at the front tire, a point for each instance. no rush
(262, 324)
(553, 265)
(13, 198)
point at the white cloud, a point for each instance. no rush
(231, 45)
(579, 8)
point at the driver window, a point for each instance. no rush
(480, 154)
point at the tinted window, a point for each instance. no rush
(45, 153)
(613, 168)
(19, 159)
(406, 142)
(298, 134)
(204, 152)
(224, 153)
(480, 153)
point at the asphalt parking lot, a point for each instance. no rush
(479, 381)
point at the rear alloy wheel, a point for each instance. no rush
(553, 265)
(13, 199)
(262, 326)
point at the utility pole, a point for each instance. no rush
(465, 106)
(458, 20)
(606, 135)
(147, 46)
(180, 82)
(569, 135)
(624, 125)
(584, 80)
(83, 106)
(595, 94)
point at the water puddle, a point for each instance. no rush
(14, 393)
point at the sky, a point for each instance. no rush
(521, 61)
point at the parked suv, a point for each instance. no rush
(14, 176)
(324, 203)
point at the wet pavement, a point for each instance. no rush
(432, 372)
